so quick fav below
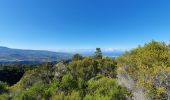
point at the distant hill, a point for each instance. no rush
(8, 56)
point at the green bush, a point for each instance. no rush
(104, 88)
(149, 66)
(3, 87)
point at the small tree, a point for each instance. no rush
(77, 57)
(98, 53)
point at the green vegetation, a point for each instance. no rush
(3, 87)
(77, 57)
(93, 78)
(98, 53)
(85, 78)
(149, 67)
(12, 73)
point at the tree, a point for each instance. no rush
(98, 53)
(77, 57)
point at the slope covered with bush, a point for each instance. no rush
(149, 67)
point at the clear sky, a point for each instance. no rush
(83, 24)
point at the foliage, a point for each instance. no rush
(104, 88)
(73, 95)
(3, 87)
(149, 66)
(77, 57)
(11, 74)
(4, 96)
(68, 83)
(98, 53)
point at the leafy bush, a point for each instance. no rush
(149, 66)
(104, 88)
(3, 87)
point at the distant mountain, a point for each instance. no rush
(8, 56)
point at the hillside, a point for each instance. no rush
(8, 55)
(146, 71)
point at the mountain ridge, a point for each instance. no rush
(10, 55)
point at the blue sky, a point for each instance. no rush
(83, 24)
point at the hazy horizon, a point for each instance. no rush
(65, 50)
